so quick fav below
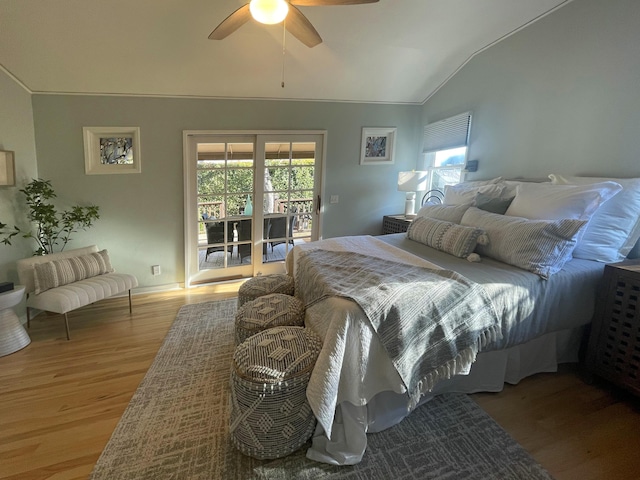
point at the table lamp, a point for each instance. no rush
(411, 182)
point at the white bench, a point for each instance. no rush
(65, 298)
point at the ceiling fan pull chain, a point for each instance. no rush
(284, 47)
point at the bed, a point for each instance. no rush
(356, 387)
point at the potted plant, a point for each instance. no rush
(51, 228)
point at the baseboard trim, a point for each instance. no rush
(155, 288)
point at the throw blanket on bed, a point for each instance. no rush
(431, 322)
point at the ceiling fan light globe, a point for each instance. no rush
(269, 11)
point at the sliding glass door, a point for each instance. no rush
(249, 198)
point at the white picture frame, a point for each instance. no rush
(109, 150)
(7, 168)
(378, 145)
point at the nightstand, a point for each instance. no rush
(613, 351)
(395, 224)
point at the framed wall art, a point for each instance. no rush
(7, 168)
(111, 150)
(378, 146)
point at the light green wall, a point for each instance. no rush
(142, 215)
(562, 95)
(16, 134)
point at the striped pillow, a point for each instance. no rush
(68, 270)
(445, 236)
(446, 213)
(540, 246)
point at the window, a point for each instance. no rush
(445, 149)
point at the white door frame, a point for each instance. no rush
(189, 141)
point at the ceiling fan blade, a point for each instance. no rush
(323, 3)
(231, 23)
(300, 27)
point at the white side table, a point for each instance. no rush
(13, 336)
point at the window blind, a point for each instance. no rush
(451, 132)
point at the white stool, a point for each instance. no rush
(13, 336)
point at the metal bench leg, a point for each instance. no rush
(130, 308)
(66, 325)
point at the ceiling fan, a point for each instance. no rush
(275, 11)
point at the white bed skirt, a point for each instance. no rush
(488, 374)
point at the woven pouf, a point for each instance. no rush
(264, 285)
(273, 310)
(270, 415)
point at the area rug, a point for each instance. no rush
(176, 425)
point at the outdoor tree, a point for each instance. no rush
(230, 186)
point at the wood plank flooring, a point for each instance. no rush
(60, 400)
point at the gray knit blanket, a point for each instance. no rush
(432, 323)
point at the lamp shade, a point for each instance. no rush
(413, 181)
(269, 11)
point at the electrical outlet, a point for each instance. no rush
(155, 269)
(334, 199)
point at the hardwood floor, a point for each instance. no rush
(575, 430)
(60, 400)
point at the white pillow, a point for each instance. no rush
(511, 185)
(479, 183)
(447, 213)
(545, 201)
(464, 193)
(540, 246)
(614, 229)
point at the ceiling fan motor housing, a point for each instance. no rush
(269, 12)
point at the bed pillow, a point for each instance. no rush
(68, 270)
(511, 185)
(464, 193)
(447, 213)
(614, 229)
(540, 246)
(446, 236)
(546, 201)
(480, 183)
(492, 204)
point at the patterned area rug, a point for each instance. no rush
(176, 426)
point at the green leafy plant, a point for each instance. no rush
(50, 228)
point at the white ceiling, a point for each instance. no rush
(394, 51)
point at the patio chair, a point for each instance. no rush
(215, 234)
(278, 229)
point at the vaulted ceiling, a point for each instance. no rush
(393, 51)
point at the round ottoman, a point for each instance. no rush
(273, 310)
(270, 415)
(263, 285)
